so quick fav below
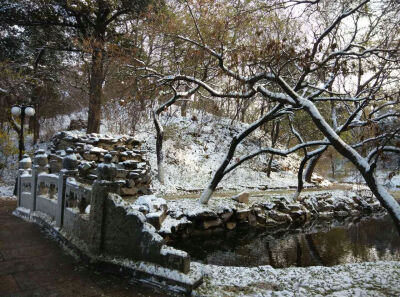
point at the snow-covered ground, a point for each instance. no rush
(194, 149)
(7, 179)
(360, 279)
(6, 191)
(392, 183)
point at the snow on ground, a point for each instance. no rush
(392, 183)
(360, 279)
(60, 123)
(194, 149)
(6, 191)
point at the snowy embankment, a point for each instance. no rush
(194, 148)
(359, 279)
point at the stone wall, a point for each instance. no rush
(128, 233)
(185, 219)
(133, 170)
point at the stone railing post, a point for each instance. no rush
(69, 164)
(40, 165)
(106, 173)
(25, 165)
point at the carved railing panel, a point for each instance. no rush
(26, 182)
(47, 186)
(77, 195)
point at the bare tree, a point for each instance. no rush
(341, 63)
(160, 131)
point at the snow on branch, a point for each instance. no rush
(207, 87)
(377, 151)
(325, 33)
(274, 151)
(356, 113)
(373, 139)
(334, 24)
(390, 103)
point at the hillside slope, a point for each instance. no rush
(195, 146)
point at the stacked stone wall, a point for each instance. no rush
(184, 219)
(133, 170)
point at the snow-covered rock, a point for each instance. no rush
(152, 203)
(242, 197)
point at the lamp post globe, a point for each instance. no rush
(30, 111)
(16, 110)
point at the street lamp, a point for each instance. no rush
(22, 111)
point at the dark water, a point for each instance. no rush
(368, 239)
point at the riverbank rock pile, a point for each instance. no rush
(187, 217)
(133, 169)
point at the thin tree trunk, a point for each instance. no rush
(159, 151)
(238, 107)
(219, 174)
(262, 109)
(36, 129)
(31, 124)
(96, 87)
(160, 130)
(183, 108)
(311, 166)
(274, 139)
(34, 125)
(300, 182)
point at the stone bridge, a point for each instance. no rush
(86, 212)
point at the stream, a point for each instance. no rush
(363, 240)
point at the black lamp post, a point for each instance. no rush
(22, 111)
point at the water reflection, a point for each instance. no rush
(368, 240)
